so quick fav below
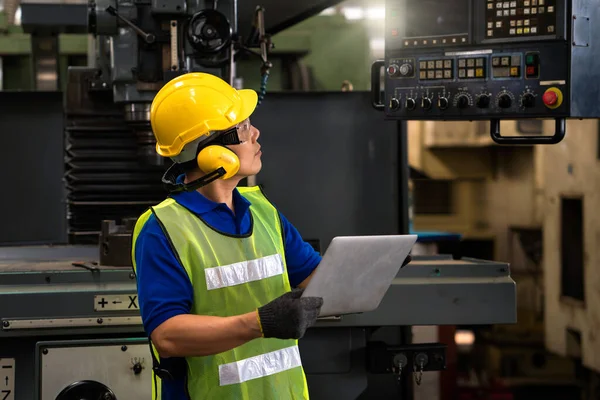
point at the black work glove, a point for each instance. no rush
(406, 261)
(288, 316)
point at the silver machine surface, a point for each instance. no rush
(73, 302)
(117, 369)
(56, 309)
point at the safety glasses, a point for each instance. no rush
(237, 135)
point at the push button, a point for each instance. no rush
(532, 63)
(553, 98)
(550, 98)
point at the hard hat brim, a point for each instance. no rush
(249, 103)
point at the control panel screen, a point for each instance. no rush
(430, 18)
(513, 19)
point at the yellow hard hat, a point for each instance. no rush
(196, 104)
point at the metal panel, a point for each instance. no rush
(123, 366)
(54, 17)
(585, 58)
(32, 206)
(280, 15)
(329, 163)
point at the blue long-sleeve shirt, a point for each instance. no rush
(164, 289)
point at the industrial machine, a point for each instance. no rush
(168, 38)
(464, 60)
(70, 323)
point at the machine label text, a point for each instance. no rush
(116, 302)
(7, 378)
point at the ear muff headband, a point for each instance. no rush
(216, 160)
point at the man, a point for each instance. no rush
(216, 264)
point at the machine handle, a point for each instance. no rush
(559, 134)
(375, 86)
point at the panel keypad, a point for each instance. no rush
(472, 68)
(505, 19)
(506, 66)
(436, 69)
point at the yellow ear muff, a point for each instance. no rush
(214, 157)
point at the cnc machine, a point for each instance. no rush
(70, 320)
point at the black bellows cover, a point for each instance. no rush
(105, 177)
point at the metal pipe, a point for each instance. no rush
(232, 46)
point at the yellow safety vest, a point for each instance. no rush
(233, 275)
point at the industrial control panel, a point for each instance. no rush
(492, 60)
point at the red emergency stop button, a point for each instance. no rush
(550, 98)
(553, 98)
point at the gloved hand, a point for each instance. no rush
(406, 261)
(288, 316)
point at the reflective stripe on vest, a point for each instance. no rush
(233, 275)
(259, 366)
(243, 272)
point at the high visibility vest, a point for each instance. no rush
(233, 275)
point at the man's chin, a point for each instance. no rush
(250, 172)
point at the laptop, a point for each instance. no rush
(356, 272)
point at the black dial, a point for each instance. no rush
(528, 100)
(442, 103)
(410, 104)
(426, 103)
(394, 103)
(483, 101)
(137, 368)
(504, 101)
(462, 101)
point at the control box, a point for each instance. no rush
(491, 60)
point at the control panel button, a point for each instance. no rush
(406, 70)
(436, 69)
(528, 100)
(426, 103)
(472, 68)
(504, 101)
(553, 98)
(393, 70)
(532, 66)
(442, 103)
(550, 98)
(410, 104)
(462, 101)
(483, 101)
(394, 103)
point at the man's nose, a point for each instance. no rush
(255, 133)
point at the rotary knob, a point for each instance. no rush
(483, 101)
(411, 104)
(394, 104)
(442, 103)
(528, 100)
(504, 101)
(462, 101)
(137, 368)
(426, 103)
